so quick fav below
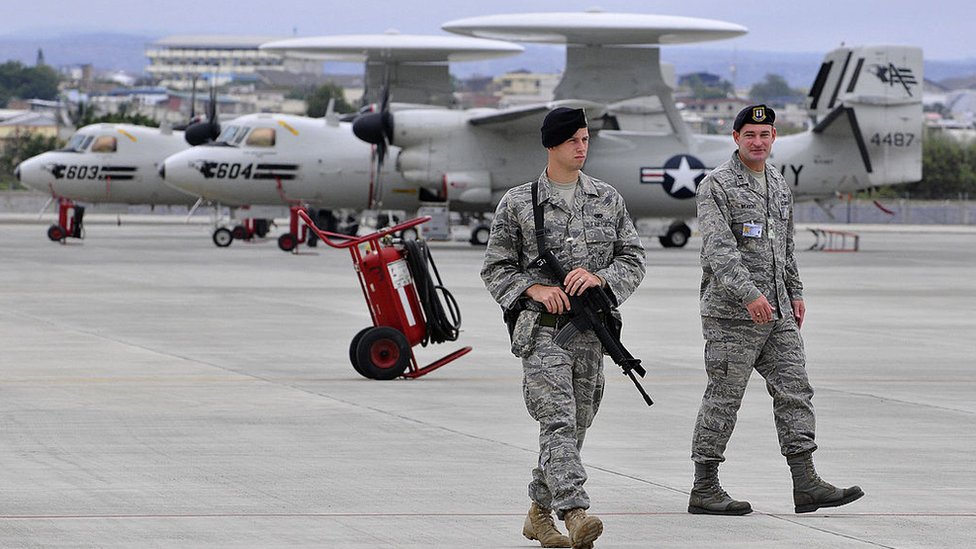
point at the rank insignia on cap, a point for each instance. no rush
(754, 114)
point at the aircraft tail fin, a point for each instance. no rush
(876, 93)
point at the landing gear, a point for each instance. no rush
(246, 230)
(223, 237)
(69, 225)
(677, 235)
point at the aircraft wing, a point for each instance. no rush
(529, 117)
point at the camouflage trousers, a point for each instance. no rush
(733, 348)
(562, 390)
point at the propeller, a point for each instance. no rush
(199, 133)
(376, 128)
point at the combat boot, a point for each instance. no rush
(539, 526)
(810, 492)
(708, 497)
(583, 529)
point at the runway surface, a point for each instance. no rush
(156, 391)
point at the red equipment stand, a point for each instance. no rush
(69, 223)
(385, 350)
(296, 234)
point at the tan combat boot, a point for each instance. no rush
(810, 492)
(583, 530)
(708, 497)
(540, 527)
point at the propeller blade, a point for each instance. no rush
(193, 100)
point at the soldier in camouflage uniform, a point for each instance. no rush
(752, 310)
(591, 234)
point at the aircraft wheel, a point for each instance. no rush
(383, 353)
(222, 237)
(354, 347)
(287, 242)
(239, 233)
(677, 236)
(479, 235)
(56, 233)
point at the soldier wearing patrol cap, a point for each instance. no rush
(752, 309)
(587, 227)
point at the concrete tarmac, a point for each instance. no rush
(156, 391)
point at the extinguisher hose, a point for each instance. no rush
(442, 325)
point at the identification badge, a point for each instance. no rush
(752, 230)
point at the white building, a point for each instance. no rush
(175, 61)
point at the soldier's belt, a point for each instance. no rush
(553, 321)
(558, 321)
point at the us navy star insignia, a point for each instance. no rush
(679, 176)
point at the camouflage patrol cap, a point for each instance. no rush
(560, 124)
(754, 114)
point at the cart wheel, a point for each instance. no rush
(56, 233)
(479, 235)
(383, 353)
(287, 242)
(222, 237)
(353, 346)
(239, 232)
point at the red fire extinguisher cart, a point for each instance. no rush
(385, 350)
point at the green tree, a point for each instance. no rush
(948, 169)
(19, 148)
(318, 100)
(702, 89)
(84, 115)
(16, 80)
(773, 89)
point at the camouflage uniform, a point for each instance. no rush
(562, 387)
(736, 270)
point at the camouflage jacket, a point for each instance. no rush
(737, 268)
(595, 233)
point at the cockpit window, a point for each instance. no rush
(231, 134)
(79, 142)
(104, 144)
(261, 137)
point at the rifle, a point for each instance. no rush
(585, 311)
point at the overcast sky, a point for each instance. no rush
(944, 29)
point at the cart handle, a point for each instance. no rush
(349, 241)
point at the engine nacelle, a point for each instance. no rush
(468, 187)
(414, 127)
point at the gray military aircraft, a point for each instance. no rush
(111, 163)
(865, 105)
(274, 159)
(865, 132)
(104, 163)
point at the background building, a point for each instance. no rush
(175, 61)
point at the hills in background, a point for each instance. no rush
(112, 51)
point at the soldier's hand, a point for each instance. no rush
(799, 311)
(760, 310)
(579, 279)
(554, 298)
